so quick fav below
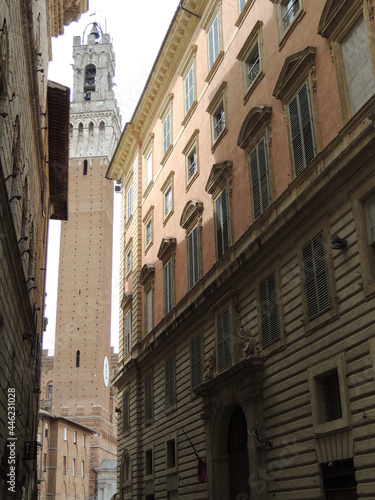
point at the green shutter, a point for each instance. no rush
(223, 341)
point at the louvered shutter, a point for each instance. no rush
(260, 179)
(168, 287)
(316, 278)
(302, 131)
(358, 68)
(193, 256)
(223, 341)
(127, 332)
(149, 311)
(213, 42)
(148, 397)
(196, 362)
(166, 133)
(169, 382)
(125, 411)
(189, 89)
(268, 308)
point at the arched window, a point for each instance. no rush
(90, 78)
(125, 475)
(91, 127)
(71, 130)
(78, 358)
(80, 129)
(84, 167)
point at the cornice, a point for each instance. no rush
(63, 12)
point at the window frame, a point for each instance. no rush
(188, 66)
(126, 410)
(213, 15)
(148, 221)
(168, 280)
(128, 263)
(191, 146)
(282, 31)
(254, 39)
(218, 105)
(220, 246)
(263, 204)
(167, 187)
(167, 114)
(278, 342)
(336, 25)
(147, 279)
(147, 165)
(127, 331)
(129, 203)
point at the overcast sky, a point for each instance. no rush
(137, 30)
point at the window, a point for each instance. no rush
(222, 223)
(148, 228)
(49, 391)
(217, 111)
(75, 437)
(171, 453)
(167, 140)
(64, 465)
(149, 309)
(46, 431)
(316, 278)
(169, 382)
(302, 129)
(84, 167)
(127, 330)
(168, 201)
(191, 158)
(128, 201)
(268, 311)
(167, 190)
(148, 168)
(148, 232)
(287, 12)
(223, 341)
(196, 361)
(44, 462)
(78, 358)
(241, 4)
(128, 260)
(65, 434)
(125, 411)
(289, 9)
(370, 219)
(83, 440)
(149, 462)
(74, 467)
(250, 57)
(193, 256)
(82, 468)
(168, 286)
(259, 178)
(148, 397)
(189, 89)
(329, 390)
(213, 41)
(90, 78)
(349, 30)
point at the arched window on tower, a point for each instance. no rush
(90, 78)
(84, 167)
(78, 358)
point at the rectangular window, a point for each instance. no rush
(149, 168)
(316, 278)
(75, 437)
(149, 310)
(196, 361)
(127, 332)
(65, 434)
(252, 65)
(125, 411)
(302, 129)
(74, 467)
(168, 286)
(148, 232)
(191, 164)
(358, 67)
(241, 4)
(289, 9)
(64, 465)
(148, 397)
(260, 178)
(128, 261)
(149, 464)
(193, 256)
(50, 391)
(44, 462)
(268, 311)
(222, 223)
(171, 454)
(223, 341)
(189, 89)
(370, 220)
(46, 431)
(82, 468)
(169, 382)
(83, 440)
(166, 132)
(129, 202)
(168, 201)
(219, 121)
(329, 395)
(213, 41)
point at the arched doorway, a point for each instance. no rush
(238, 456)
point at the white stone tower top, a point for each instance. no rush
(94, 114)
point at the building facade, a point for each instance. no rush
(248, 269)
(79, 386)
(34, 152)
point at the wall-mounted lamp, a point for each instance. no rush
(338, 243)
(15, 197)
(257, 433)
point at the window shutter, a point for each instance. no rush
(260, 179)
(222, 223)
(127, 332)
(193, 256)
(223, 341)
(149, 311)
(268, 309)
(196, 362)
(316, 278)
(125, 411)
(168, 287)
(189, 89)
(213, 42)
(148, 397)
(301, 126)
(358, 68)
(169, 382)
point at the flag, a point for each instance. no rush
(202, 470)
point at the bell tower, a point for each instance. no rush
(82, 359)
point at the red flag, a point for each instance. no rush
(202, 470)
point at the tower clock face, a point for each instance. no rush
(106, 371)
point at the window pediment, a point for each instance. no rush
(256, 120)
(191, 211)
(336, 15)
(293, 72)
(166, 247)
(147, 273)
(126, 300)
(219, 176)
